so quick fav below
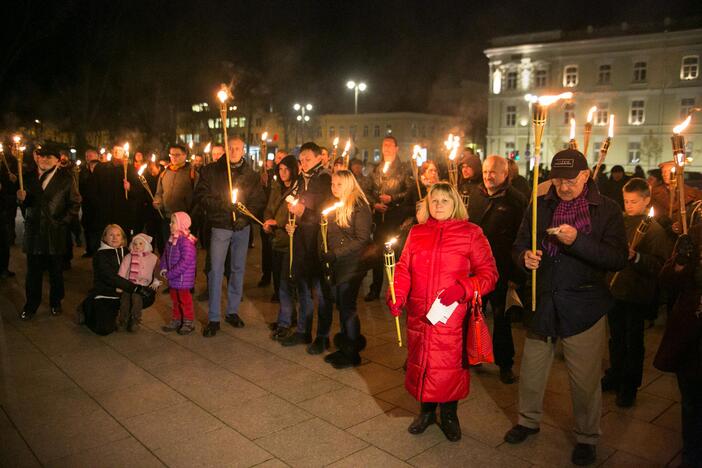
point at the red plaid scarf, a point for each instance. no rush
(575, 213)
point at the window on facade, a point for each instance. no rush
(242, 122)
(211, 123)
(259, 122)
(365, 130)
(570, 76)
(511, 82)
(568, 113)
(509, 148)
(596, 150)
(636, 112)
(331, 132)
(634, 152)
(640, 72)
(686, 105)
(413, 130)
(352, 131)
(388, 129)
(690, 68)
(218, 123)
(604, 74)
(376, 131)
(688, 149)
(376, 155)
(540, 78)
(422, 132)
(510, 116)
(431, 132)
(341, 131)
(602, 114)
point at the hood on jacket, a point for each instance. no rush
(474, 163)
(147, 241)
(183, 223)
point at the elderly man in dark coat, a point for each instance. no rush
(52, 202)
(580, 237)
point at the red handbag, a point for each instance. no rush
(478, 340)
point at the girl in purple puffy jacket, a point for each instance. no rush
(178, 266)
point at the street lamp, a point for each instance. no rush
(303, 116)
(356, 88)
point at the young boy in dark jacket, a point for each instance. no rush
(633, 289)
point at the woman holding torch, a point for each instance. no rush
(348, 234)
(442, 260)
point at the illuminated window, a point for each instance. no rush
(637, 112)
(242, 122)
(690, 68)
(509, 148)
(511, 116)
(511, 80)
(634, 152)
(570, 76)
(602, 114)
(211, 123)
(496, 81)
(686, 105)
(540, 79)
(640, 72)
(604, 74)
(568, 113)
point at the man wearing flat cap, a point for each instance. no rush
(51, 202)
(580, 237)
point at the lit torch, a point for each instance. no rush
(538, 116)
(145, 184)
(262, 156)
(572, 143)
(346, 153)
(415, 168)
(224, 94)
(208, 156)
(19, 151)
(641, 231)
(605, 147)
(588, 129)
(335, 147)
(323, 225)
(241, 207)
(389, 260)
(291, 222)
(4, 160)
(452, 167)
(678, 141)
(125, 163)
(386, 166)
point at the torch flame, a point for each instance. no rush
(415, 152)
(141, 170)
(336, 142)
(264, 136)
(102, 150)
(331, 208)
(22, 148)
(207, 148)
(679, 128)
(223, 94)
(126, 147)
(386, 166)
(16, 139)
(572, 129)
(234, 194)
(610, 133)
(109, 156)
(78, 162)
(672, 170)
(1, 148)
(449, 141)
(548, 100)
(294, 202)
(348, 146)
(190, 145)
(390, 242)
(591, 113)
(153, 158)
(650, 213)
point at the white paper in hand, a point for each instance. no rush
(439, 312)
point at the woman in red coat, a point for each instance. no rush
(438, 260)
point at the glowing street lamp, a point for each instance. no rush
(303, 116)
(356, 87)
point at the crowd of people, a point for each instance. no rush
(602, 258)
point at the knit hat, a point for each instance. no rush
(147, 242)
(183, 223)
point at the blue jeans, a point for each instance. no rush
(237, 244)
(305, 287)
(281, 269)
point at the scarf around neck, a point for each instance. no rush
(575, 213)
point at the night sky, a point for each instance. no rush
(124, 62)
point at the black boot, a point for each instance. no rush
(347, 356)
(426, 418)
(449, 421)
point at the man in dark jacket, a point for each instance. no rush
(174, 190)
(230, 228)
(612, 187)
(497, 207)
(52, 203)
(8, 210)
(90, 202)
(580, 237)
(314, 195)
(390, 202)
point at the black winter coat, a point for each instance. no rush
(106, 279)
(572, 293)
(499, 215)
(212, 191)
(49, 212)
(397, 183)
(114, 208)
(89, 188)
(314, 193)
(349, 243)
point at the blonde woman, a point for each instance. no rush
(349, 233)
(441, 259)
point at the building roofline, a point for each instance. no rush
(386, 115)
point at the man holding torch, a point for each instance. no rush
(229, 234)
(580, 237)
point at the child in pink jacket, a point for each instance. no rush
(138, 266)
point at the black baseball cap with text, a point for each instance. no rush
(567, 164)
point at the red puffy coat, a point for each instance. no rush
(437, 255)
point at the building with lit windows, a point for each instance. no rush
(649, 78)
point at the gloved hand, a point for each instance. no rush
(454, 293)
(328, 257)
(396, 308)
(684, 250)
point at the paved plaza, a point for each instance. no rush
(71, 398)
